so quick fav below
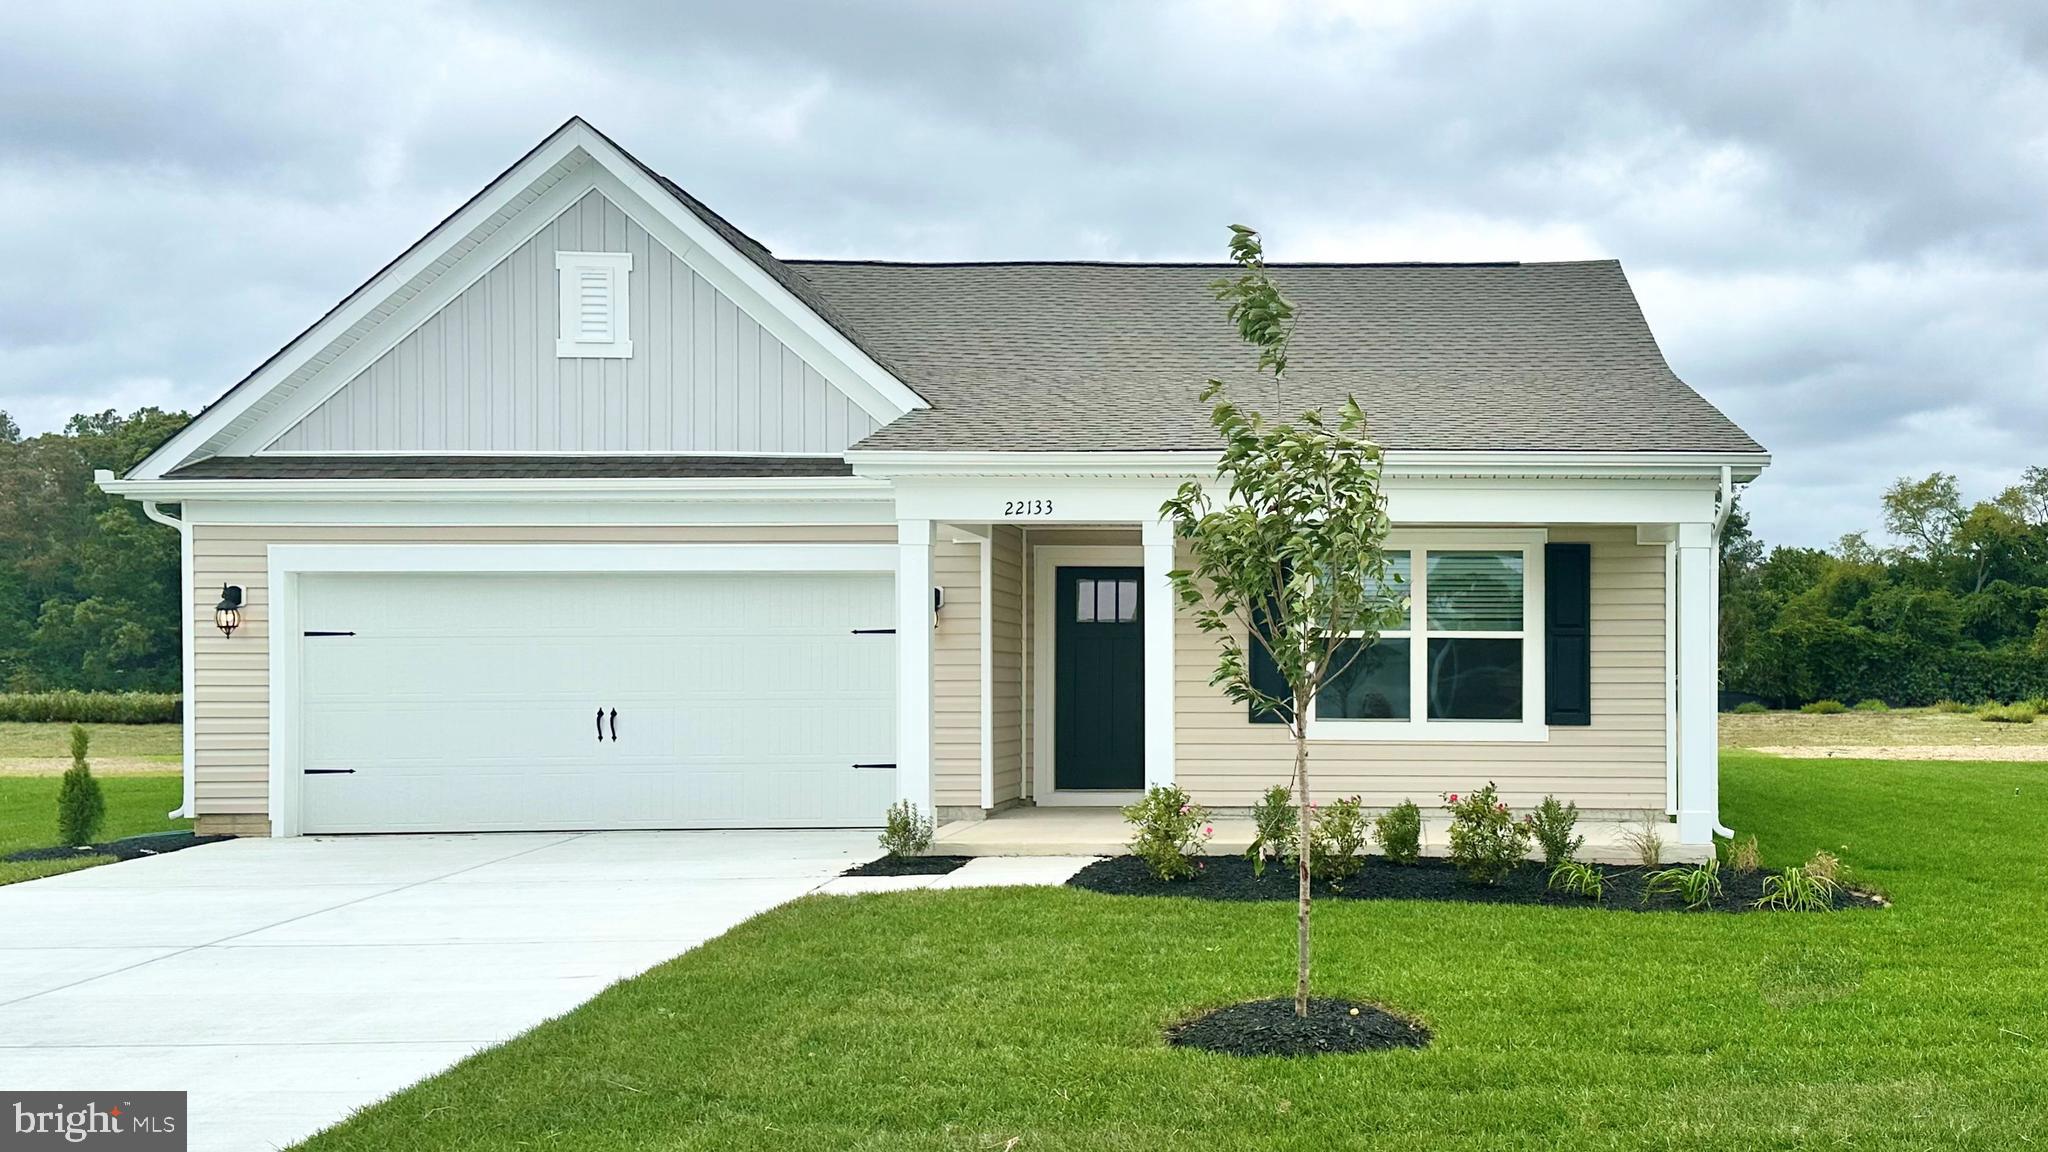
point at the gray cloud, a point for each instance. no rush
(1831, 211)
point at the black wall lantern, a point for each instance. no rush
(227, 615)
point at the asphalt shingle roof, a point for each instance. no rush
(504, 467)
(1086, 356)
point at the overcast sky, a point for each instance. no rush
(1836, 216)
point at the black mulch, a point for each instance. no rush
(908, 866)
(126, 848)
(1231, 878)
(1270, 1028)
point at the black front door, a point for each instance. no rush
(1099, 679)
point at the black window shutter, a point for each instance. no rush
(1266, 678)
(1568, 633)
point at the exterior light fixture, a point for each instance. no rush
(227, 615)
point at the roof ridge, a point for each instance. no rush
(879, 263)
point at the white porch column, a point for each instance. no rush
(1699, 765)
(914, 662)
(1157, 538)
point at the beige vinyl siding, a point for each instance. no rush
(956, 675)
(1006, 608)
(230, 710)
(1615, 764)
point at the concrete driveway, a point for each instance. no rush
(285, 983)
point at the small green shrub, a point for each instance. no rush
(1551, 824)
(906, 831)
(2039, 704)
(70, 707)
(1276, 827)
(1824, 865)
(1576, 879)
(1486, 842)
(1795, 890)
(1751, 708)
(2009, 714)
(1697, 888)
(1171, 832)
(1398, 832)
(1824, 708)
(81, 808)
(1336, 846)
(1743, 856)
(1953, 706)
(1872, 705)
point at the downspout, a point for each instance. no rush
(1727, 495)
(187, 654)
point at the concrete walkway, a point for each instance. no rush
(285, 983)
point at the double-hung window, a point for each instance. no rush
(1464, 661)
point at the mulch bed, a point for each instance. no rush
(1270, 1028)
(908, 866)
(1231, 878)
(126, 848)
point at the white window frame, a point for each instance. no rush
(569, 266)
(1531, 728)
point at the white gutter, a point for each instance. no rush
(187, 655)
(1727, 493)
(1399, 463)
(504, 488)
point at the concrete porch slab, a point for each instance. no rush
(1091, 832)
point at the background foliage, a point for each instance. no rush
(88, 585)
(1957, 611)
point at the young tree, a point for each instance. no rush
(81, 809)
(1293, 561)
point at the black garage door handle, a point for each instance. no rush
(615, 725)
(600, 725)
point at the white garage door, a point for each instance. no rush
(485, 702)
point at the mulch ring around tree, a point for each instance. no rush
(908, 866)
(1270, 1028)
(1231, 878)
(126, 848)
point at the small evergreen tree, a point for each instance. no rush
(81, 809)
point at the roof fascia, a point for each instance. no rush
(484, 488)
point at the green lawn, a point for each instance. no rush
(1030, 1019)
(28, 817)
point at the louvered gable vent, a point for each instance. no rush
(594, 286)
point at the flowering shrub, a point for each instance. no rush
(1274, 821)
(1486, 842)
(1551, 824)
(1399, 832)
(1336, 848)
(1171, 831)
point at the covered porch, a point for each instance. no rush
(1040, 690)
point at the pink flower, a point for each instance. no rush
(1208, 830)
(1454, 797)
(1501, 807)
(1183, 809)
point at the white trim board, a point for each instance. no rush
(288, 562)
(1044, 559)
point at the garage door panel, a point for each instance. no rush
(469, 701)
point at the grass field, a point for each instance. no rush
(1030, 1018)
(1902, 733)
(117, 749)
(28, 817)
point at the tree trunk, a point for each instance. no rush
(1301, 853)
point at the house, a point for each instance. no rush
(588, 511)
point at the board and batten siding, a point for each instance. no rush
(230, 707)
(482, 375)
(1616, 764)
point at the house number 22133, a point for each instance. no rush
(1027, 507)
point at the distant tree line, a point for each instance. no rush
(1958, 610)
(88, 585)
